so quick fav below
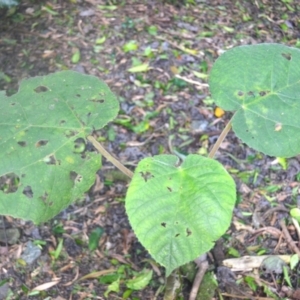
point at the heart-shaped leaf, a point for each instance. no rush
(262, 84)
(179, 211)
(44, 163)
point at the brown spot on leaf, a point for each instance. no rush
(188, 232)
(146, 175)
(287, 56)
(41, 89)
(22, 143)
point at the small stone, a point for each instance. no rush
(31, 253)
(199, 125)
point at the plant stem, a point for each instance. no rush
(202, 264)
(220, 140)
(109, 157)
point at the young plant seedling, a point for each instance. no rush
(177, 209)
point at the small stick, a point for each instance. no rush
(177, 46)
(296, 224)
(289, 238)
(192, 81)
(109, 157)
(220, 140)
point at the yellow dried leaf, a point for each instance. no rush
(174, 70)
(219, 112)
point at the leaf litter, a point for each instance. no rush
(176, 43)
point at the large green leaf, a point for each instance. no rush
(179, 210)
(262, 84)
(42, 138)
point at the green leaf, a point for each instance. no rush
(130, 46)
(110, 278)
(42, 130)
(140, 281)
(57, 251)
(294, 261)
(295, 213)
(152, 30)
(286, 276)
(200, 75)
(261, 83)
(76, 57)
(95, 237)
(179, 210)
(139, 68)
(113, 287)
(101, 40)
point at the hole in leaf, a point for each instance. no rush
(97, 100)
(41, 89)
(9, 183)
(287, 56)
(170, 189)
(146, 176)
(177, 235)
(78, 95)
(250, 93)
(50, 160)
(27, 191)
(22, 143)
(188, 232)
(79, 145)
(41, 143)
(240, 93)
(164, 224)
(75, 177)
(62, 122)
(79, 178)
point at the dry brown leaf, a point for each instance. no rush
(96, 274)
(47, 285)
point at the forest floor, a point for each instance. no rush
(165, 108)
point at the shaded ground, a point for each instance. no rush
(160, 113)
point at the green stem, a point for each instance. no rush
(220, 140)
(109, 157)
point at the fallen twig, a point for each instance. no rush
(288, 238)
